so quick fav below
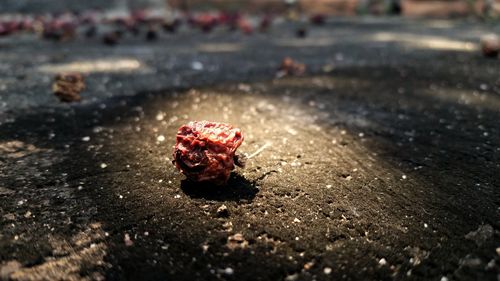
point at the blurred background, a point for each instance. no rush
(410, 8)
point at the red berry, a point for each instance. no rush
(205, 151)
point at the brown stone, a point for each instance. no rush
(290, 67)
(67, 86)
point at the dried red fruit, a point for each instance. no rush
(67, 86)
(206, 22)
(318, 19)
(265, 22)
(205, 151)
(245, 26)
(290, 67)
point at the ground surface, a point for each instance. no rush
(382, 165)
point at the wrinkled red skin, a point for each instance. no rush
(205, 151)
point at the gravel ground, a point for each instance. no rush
(381, 163)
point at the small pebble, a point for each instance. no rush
(159, 116)
(308, 265)
(228, 271)
(292, 277)
(160, 138)
(86, 138)
(196, 65)
(205, 247)
(327, 270)
(126, 239)
(223, 211)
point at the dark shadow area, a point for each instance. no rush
(237, 189)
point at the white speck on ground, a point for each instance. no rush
(292, 277)
(196, 65)
(205, 247)
(103, 165)
(382, 261)
(160, 138)
(160, 116)
(228, 271)
(327, 270)
(126, 239)
(86, 138)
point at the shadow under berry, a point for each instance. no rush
(237, 189)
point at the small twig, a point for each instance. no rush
(240, 160)
(258, 150)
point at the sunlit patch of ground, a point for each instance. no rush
(84, 253)
(95, 66)
(427, 42)
(220, 47)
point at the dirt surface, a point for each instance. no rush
(383, 165)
